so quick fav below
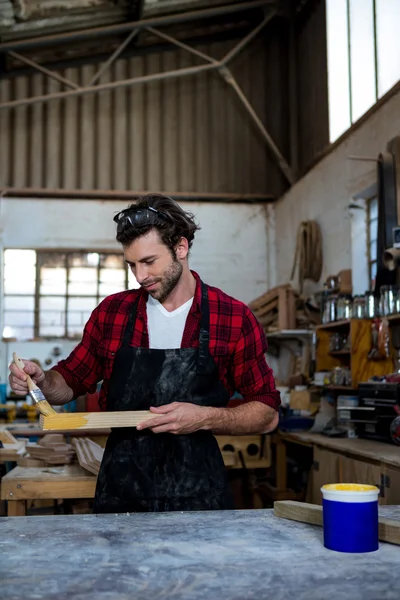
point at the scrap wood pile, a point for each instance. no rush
(89, 454)
(284, 308)
(10, 448)
(50, 450)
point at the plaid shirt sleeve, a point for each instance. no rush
(253, 378)
(83, 368)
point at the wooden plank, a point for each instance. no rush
(389, 530)
(83, 458)
(299, 511)
(69, 481)
(96, 420)
(6, 437)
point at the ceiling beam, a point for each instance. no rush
(108, 30)
(123, 195)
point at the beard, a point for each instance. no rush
(168, 282)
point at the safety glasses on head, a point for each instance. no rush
(139, 217)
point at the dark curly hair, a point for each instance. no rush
(178, 223)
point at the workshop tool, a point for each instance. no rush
(389, 530)
(34, 391)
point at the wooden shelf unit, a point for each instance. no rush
(356, 358)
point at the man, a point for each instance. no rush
(177, 347)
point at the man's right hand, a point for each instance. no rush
(17, 377)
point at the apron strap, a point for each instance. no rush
(128, 333)
(204, 337)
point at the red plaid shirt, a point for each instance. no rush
(237, 343)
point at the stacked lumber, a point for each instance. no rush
(11, 449)
(282, 308)
(89, 454)
(51, 450)
(276, 309)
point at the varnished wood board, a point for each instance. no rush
(389, 529)
(95, 420)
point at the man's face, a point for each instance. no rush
(153, 265)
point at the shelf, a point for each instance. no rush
(393, 317)
(334, 325)
(340, 353)
(347, 388)
(330, 386)
(289, 333)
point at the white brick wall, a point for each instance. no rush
(326, 191)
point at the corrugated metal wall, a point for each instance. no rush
(312, 85)
(188, 135)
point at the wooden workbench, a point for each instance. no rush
(229, 555)
(69, 481)
(337, 460)
(54, 483)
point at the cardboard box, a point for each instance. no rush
(305, 400)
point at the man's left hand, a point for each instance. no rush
(178, 418)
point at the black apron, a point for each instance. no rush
(144, 471)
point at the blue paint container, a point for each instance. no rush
(350, 516)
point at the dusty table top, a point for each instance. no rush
(233, 555)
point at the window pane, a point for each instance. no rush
(83, 259)
(111, 281)
(112, 261)
(53, 318)
(373, 250)
(18, 324)
(52, 330)
(373, 230)
(82, 281)
(338, 68)
(362, 57)
(387, 33)
(373, 274)
(82, 304)
(52, 303)
(20, 333)
(25, 303)
(373, 208)
(79, 311)
(116, 276)
(19, 318)
(53, 281)
(19, 271)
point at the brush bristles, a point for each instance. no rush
(45, 409)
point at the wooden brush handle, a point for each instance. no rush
(20, 364)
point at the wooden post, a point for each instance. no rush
(16, 508)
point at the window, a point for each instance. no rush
(363, 58)
(51, 294)
(372, 216)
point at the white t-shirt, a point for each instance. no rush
(166, 328)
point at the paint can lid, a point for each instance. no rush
(350, 492)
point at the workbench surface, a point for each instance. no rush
(233, 555)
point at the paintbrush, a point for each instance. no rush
(34, 391)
